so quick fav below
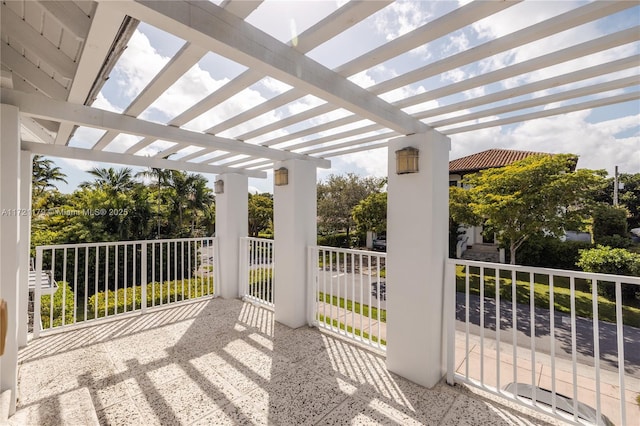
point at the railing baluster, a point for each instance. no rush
(144, 267)
(498, 326)
(466, 324)
(126, 273)
(86, 281)
(75, 285)
(96, 284)
(106, 281)
(574, 356)
(468, 271)
(514, 328)
(532, 328)
(596, 344)
(552, 338)
(620, 341)
(64, 286)
(53, 277)
(37, 295)
(115, 267)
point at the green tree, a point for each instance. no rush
(44, 174)
(371, 213)
(628, 196)
(260, 213)
(541, 193)
(610, 226)
(337, 197)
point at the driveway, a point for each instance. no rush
(562, 332)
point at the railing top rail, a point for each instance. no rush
(627, 279)
(351, 251)
(127, 242)
(257, 239)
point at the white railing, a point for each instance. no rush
(547, 330)
(256, 270)
(347, 293)
(102, 280)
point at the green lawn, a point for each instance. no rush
(353, 306)
(561, 294)
(350, 329)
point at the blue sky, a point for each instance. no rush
(602, 137)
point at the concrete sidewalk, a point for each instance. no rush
(498, 368)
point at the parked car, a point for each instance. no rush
(383, 290)
(380, 242)
(563, 403)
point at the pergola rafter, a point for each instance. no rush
(348, 119)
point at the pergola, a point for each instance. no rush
(56, 57)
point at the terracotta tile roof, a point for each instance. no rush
(488, 159)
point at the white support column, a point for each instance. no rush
(295, 228)
(26, 167)
(9, 240)
(232, 223)
(417, 227)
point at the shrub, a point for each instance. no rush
(64, 290)
(550, 252)
(610, 226)
(157, 294)
(334, 240)
(616, 261)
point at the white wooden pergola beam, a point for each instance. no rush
(12, 25)
(625, 97)
(197, 154)
(432, 30)
(563, 55)
(130, 160)
(439, 27)
(287, 121)
(220, 31)
(524, 89)
(241, 8)
(105, 26)
(312, 130)
(69, 16)
(336, 22)
(562, 22)
(550, 59)
(351, 143)
(535, 32)
(180, 63)
(31, 73)
(37, 130)
(358, 149)
(343, 18)
(542, 100)
(49, 109)
(336, 136)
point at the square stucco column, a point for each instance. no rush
(295, 228)
(9, 240)
(232, 223)
(417, 227)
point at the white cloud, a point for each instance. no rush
(401, 17)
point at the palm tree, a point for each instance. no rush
(44, 173)
(161, 176)
(110, 180)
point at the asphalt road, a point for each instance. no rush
(608, 343)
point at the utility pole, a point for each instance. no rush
(615, 187)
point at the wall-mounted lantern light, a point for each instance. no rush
(281, 176)
(407, 160)
(219, 187)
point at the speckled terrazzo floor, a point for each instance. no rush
(225, 362)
